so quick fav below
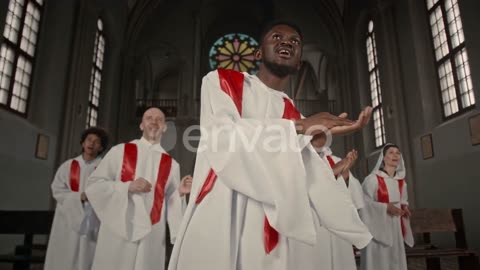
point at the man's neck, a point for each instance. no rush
(88, 157)
(152, 140)
(272, 81)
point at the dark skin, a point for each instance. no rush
(282, 45)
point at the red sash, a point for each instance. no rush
(289, 111)
(382, 196)
(162, 178)
(129, 162)
(270, 234)
(74, 176)
(207, 186)
(330, 161)
(129, 166)
(231, 82)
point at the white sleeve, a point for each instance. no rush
(404, 200)
(332, 203)
(122, 213)
(356, 191)
(408, 239)
(354, 186)
(68, 201)
(259, 159)
(374, 214)
(176, 204)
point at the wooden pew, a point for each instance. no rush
(28, 224)
(424, 222)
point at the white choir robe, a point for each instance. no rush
(293, 187)
(342, 256)
(75, 226)
(387, 249)
(127, 240)
(354, 186)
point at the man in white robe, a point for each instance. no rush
(386, 213)
(135, 190)
(259, 186)
(75, 226)
(343, 257)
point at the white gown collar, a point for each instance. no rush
(156, 146)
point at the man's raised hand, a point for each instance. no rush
(361, 122)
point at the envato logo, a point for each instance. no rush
(248, 138)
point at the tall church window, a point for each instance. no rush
(234, 51)
(375, 89)
(17, 53)
(96, 76)
(451, 57)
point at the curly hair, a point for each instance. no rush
(100, 132)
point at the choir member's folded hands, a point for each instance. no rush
(185, 185)
(140, 185)
(406, 211)
(393, 210)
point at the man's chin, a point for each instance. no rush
(154, 136)
(280, 69)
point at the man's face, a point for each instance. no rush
(281, 50)
(153, 124)
(92, 145)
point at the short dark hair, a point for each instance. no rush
(100, 132)
(388, 146)
(269, 25)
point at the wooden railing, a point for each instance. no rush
(168, 106)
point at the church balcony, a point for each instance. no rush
(305, 106)
(168, 106)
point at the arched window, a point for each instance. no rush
(234, 51)
(96, 76)
(375, 89)
(17, 53)
(451, 57)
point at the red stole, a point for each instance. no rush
(330, 161)
(231, 82)
(75, 176)
(271, 235)
(129, 166)
(382, 196)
